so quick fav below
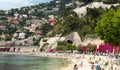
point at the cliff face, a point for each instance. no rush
(81, 11)
(50, 43)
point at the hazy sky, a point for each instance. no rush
(8, 4)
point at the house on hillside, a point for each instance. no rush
(37, 22)
(38, 32)
(51, 22)
(31, 25)
(3, 36)
(55, 9)
(15, 21)
(9, 19)
(21, 36)
(2, 27)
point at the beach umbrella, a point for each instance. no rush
(105, 48)
(51, 50)
(101, 48)
(84, 48)
(109, 48)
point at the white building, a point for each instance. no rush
(21, 35)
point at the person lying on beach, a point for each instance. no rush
(75, 67)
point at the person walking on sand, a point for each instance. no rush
(75, 67)
(81, 63)
(92, 66)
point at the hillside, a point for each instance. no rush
(57, 17)
(82, 19)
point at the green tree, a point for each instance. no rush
(119, 1)
(8, 38)
(62, 46)
(110, 1)
(71, 47)
(108, 27)
(28, 34)
(46, 28)
(86, 29)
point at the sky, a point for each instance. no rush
(8, 4)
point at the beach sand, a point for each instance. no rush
(74, 58)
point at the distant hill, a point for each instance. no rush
(67, 20)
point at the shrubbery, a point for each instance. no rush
(91, 48)
(64, 46)
(79, 48)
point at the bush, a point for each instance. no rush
(36, 42)
(91, 48)
(8, 38)
(79, 48)
(72, 47)
(61, 48)
(64, 46)
(110, 1)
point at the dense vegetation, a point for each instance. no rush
(64, 46)
(108, 27)
(46, 28)
(104, 1)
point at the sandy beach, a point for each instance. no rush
(83, 61)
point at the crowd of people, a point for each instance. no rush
(91, 62)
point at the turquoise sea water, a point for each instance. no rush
(23, 62)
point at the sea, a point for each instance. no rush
(24, 62)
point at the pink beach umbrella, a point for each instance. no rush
(51, 50)
(109, 48)
(84, 48)
(101, 48)
(105, 48)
